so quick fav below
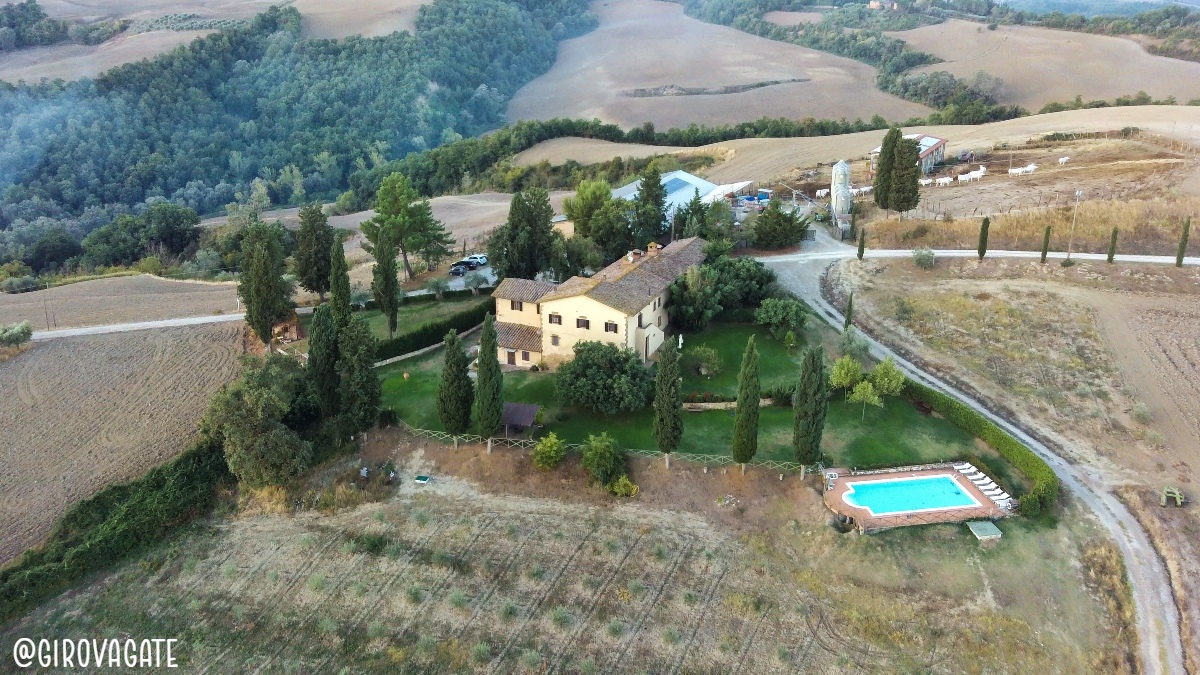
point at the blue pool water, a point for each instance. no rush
(909, 495)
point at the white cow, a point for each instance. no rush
(822, 193)
(964, 177)
(867, 189)
(926, 182)
(944, 181)
(982, 170)
(1063, 160)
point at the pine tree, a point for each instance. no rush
(745, 422)
(385, 285)
(455, 393)
(905, 193)
(397, 210)
(263, 290)
(668, 402)
(849, 312)
(490, 387)
(810, 403)
(983, 236)
(862, 242)
(521, 248)
(1183, 242)
(339, 286)
(359, 387)
(651, 210)
(882, 190)
(1112, 246)
(322, 359)
(1045, 244)
(313, 242)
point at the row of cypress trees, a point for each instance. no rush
(457, 396)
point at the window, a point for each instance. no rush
(610, 327)
(554, 340)
(524, 356)
(516, 306)
(583, 323)
(538, 308)
(639, 320)
(556, 319)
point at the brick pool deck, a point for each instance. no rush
(866, 522)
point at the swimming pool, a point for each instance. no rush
(917, 494)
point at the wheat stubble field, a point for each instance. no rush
(1039, 65)
(117, 300)
(83, 413)
(646, 44)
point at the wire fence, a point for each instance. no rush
(529, 444)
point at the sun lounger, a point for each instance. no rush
(985, 487)
(993, 494)
(981, 478)
(964, 467)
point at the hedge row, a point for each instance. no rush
(1045, 483)
(433, 332)
(118, 522)
(430, 297)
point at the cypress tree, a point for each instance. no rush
(263, 290)
(489, 396)
(313, 241)
(1045, 244)
(1183, 242)
(882, 190)
(323, 359)
(339, 286)
(905, 193)
(385, 284)
(455, 393)
(862, 242)
(983, 236)
(1112, 246)
(849, 312)
(359, 387)
(651, 212)
(810, 403)
(745, 422)
(668, 402)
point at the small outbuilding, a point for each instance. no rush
(519, 417)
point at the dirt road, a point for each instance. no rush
(1157, 615)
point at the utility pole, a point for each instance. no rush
(46, 304)
(1071, 241)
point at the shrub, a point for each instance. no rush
(615, 628)
(1045, 483)
(376, 630)
(15, 335)
(1140, 413)
(481, 652)
(924, 257)
(387, 418)
(671, 636)
(508, 611)
(781, 316)
(414, 594)
(623, 487)
(458, 599)
(781, 394)
(604, 378)
(316, 583)
(549, 452)
(703, 359)
(604, 461)
(561, 617)
(19, 284)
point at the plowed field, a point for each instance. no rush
(79, 414)
(117, 300)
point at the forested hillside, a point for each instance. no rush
(197, 125)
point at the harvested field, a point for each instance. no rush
(646, 44)
(73, 61)
(1039, 65)
(764, 159)
(84, 413)
(793, 18)
(496, 567)
(1102, 360)
(118, 300)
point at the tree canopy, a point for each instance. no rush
(523, 246)
(604, 378)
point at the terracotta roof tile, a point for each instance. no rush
(518, 336)
(522, 290)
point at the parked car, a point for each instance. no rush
(479, 259)
(457, 270)
(467, 263)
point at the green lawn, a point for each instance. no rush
(776, 365)
(896, 434)
(410, 316)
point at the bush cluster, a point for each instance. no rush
(1045, 483)
(119, 521)
(16, 334)
(707, 397)
(434, 332)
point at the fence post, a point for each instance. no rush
(803, 469)
(489, 450)
(455, 442)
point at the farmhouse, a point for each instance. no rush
(681, 186)
(932, 151)
(538, 323)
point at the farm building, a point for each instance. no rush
(931, 148)
(681, 186)
(538, 323)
